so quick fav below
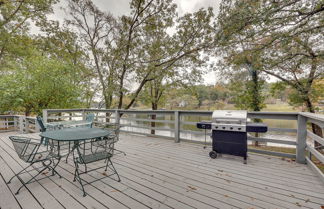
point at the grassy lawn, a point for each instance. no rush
(269, 107)
(280, 108)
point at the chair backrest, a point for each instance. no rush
(90, 117)
(41, 123)
(95, 149)
(25, 149)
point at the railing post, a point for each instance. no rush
(37, 127)
(21, 124)
(117, 117)
(301, 139)
(176, 126)
(45, 116)
(26, 125)
(15, 123)
(83, 115)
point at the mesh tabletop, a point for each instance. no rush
(74, 134)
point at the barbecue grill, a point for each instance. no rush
(229, 132)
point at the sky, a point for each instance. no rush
(121, 7)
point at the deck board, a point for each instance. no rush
(5, 193)
(238, 173)
(158, 173)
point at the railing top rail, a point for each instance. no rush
(273, 113)
(6, 116)
(144, 111)
(319, 117)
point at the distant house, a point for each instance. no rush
(183, 103)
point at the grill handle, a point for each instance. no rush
(228, 121)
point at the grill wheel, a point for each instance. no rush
(213, 154)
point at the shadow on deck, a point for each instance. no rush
(158, 173)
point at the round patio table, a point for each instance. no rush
(75, 135)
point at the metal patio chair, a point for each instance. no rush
(41, 124)
(30, 151)
(92, 151)
(115, 128)
(42, 128)
(90, 118)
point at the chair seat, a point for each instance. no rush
(39, 156)
(93, 157)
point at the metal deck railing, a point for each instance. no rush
(180, 126)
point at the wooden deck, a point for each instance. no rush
(158, 173)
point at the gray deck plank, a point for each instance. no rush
(5, 193)
(27, 200)
(158, 173)
(225, 185)
(153, 196)
(46, 199)
(107, 201)
(160, 163)
(266, 167)
(265, 162)
(240, 169)
(104, 187)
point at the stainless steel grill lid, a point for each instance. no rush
(229, 120)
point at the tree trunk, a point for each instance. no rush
(256, 104)
(107, 106)
(153, 117)
(315, 128)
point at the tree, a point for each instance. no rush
(95, 29)
(283, 35)
(38, 83)
(246, 88)
(59, 42)
(14, 17)
(123, 47)
(175, 59)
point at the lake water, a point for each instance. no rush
(197, 134)
(200, 136)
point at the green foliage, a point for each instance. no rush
(244, 96)
(295, 99)
(38, 83)
(279, 38)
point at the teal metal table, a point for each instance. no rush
(75, 135)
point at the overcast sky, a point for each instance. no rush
(121, 7)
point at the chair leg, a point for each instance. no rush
(66, 159)
(113, 168)
(19, 173)
(77, 177)
(39, 172)
(53, 168)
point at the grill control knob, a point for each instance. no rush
(239, 128)
(231, 128)
(223, 127)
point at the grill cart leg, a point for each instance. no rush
(205, 139)
(245, 160)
